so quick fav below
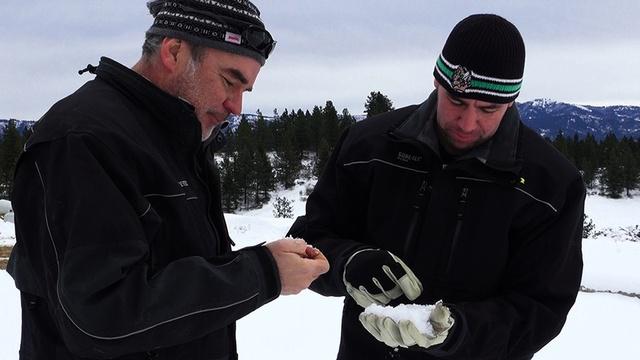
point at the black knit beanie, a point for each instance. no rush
(229, 25)
(482, 59)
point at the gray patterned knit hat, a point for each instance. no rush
(229, 25)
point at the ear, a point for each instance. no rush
(171, 52)
(436, 84)
(511, 103)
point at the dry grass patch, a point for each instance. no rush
(5, 251)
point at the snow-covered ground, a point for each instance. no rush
(613, 213)
(7, 233)
(307, 326)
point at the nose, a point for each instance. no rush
(467, 120)
(233, 104)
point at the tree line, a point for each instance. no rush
(11, 145)
(611, 167)
(263, 154)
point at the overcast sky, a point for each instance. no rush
(578, 51)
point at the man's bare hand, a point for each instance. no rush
(299, 264)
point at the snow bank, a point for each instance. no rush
(298, 194)
(611, 265)
(612, 213)
(7, 234)
(599, 326)
(252, 230)
(304, 326)
(10, 325)
(5, 207)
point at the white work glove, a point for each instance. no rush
(374, 276)
(397, 331)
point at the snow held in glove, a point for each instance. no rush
(417, 314)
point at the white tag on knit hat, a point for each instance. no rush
(233, 38)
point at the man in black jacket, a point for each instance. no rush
(452, 200)
(122, 249)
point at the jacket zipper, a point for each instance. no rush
(416, 224)
(462, 203)
(207, 192)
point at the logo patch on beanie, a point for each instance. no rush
(233, 38)
(461, 79)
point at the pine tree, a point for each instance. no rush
(607, 146)
(322, 157)
(346, 120)
(287, 162)
(262, 134)
(301, 132)
(330, 124)
(377, 103)
(634, 144)
(265, 181)
(229, 188)
(278, 128)
(308, 119)
(561, 143)
(244, 163)
(588, 159)
(629, 164)
(10, 149)
(315, 126)
(613, 176)
(282, 208)
(588, 227)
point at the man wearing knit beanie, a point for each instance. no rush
(122, 248)
(453, 203)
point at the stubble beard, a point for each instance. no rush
(188, 91)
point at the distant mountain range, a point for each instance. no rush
(22, 125)
(546, 116)
(550, 117)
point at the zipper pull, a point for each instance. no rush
(462, 201)
(417, 205)
(415, 225)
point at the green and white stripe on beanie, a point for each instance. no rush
(466, 81)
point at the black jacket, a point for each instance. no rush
(122, 249)
(496, 234)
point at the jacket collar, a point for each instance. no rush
(175, 114)
(499, 153)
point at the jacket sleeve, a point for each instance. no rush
(78, 223)
(541, 284)
(334, 221)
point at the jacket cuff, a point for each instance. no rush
(267, 271)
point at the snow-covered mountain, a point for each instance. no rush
(549, 117)
(22, 125)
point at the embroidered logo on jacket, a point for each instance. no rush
(404, 157)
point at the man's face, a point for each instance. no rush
(215, 84)
(466, 123)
